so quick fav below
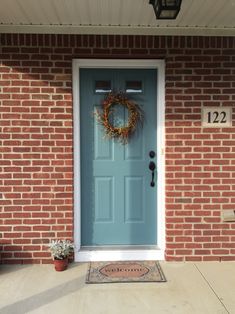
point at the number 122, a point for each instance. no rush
(216, 117)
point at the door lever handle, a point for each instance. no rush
(152, 167)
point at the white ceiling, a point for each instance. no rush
(197, 17)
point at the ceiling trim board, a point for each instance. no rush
(117, 30)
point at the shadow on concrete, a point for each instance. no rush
(43, 298)
(5, 269)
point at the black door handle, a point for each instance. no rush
(152, 167)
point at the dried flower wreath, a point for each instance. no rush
(135, 117)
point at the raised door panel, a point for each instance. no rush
(134, 206)
(104, 199)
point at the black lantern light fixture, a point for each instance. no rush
(166, 9)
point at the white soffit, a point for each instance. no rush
(197, 17)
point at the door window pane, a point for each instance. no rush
(134, 87)
(103, 87)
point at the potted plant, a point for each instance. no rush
(61, 250)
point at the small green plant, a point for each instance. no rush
(61, 249)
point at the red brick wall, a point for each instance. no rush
(36, 150)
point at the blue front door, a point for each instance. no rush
(118, 202)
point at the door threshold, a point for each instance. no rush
(118, 247)
(92, 254)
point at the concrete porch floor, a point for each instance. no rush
(190, 288)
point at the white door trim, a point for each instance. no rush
(127, 254)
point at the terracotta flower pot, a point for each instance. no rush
(60, 264)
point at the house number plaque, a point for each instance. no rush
(217, 117)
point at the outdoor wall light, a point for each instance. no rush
(166, 9)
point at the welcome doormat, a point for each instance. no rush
(134, 271)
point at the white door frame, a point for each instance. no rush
(119, 254)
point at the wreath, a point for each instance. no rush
(135, 117)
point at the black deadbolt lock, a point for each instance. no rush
(152, 154)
